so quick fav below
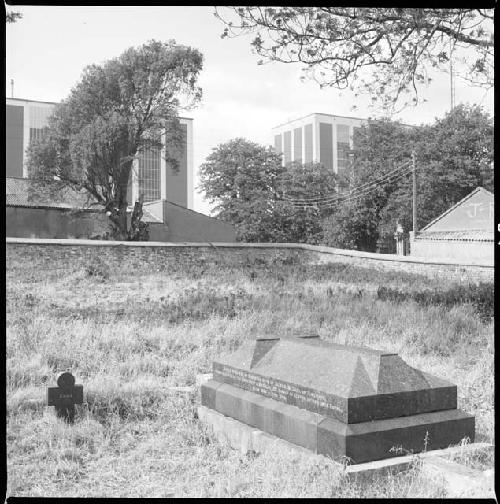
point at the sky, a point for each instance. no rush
(48, 48)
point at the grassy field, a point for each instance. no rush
(128, 336)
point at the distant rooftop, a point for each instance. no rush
(456, 224)
(23, 192)
(51, 194)
(466, 235)
(318, 113)
(33, 101)
(333, 115)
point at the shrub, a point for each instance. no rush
(97, 268)
(481, 296)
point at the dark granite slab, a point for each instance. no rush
(293, 424)
(207, 393)
(303, 397)
(360, 442)
(381, 439)
(351, 384)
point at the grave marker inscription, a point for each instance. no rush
(65, 396)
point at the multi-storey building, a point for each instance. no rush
(151, 176)
(323, 138)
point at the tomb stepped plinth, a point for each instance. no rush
(336, 400)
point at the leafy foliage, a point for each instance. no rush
(242, 178)
(97, 268)
(12, 16)
(303, 223)
(116, 111)
(249, 186)
(385, 52)
(453, 157)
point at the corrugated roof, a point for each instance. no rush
(466, 235)
(50, 194)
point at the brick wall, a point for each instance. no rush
(157, 256)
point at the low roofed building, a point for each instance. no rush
(36, 209)
(464, 232)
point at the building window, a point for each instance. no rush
(287, 147)
(38, 121)
(356, 132)
(37, 133)
(343, 147)
(297, 145)
(277, 144)
(39, 116)
(308, 143)
(149, 174)
(326, 145)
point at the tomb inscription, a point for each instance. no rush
(289, 393)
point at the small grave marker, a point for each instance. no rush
(65, 396)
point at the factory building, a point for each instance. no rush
(151, 176)
(323, 138)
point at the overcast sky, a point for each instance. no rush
(49, 47)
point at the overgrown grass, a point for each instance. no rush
(128, 336)
(481, 296)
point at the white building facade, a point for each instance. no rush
(24, 121)
(317, 137)
(151, 176)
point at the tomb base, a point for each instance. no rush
(356, 442)
(458, 479)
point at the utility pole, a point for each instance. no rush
(414, 171)
(452, 90)
(12, 88)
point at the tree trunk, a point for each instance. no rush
(118, 219)
(139, 231)
(119, 213)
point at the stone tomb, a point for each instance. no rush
(337, 400)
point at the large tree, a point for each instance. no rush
(386, 52)
(254, 192)
(301, 223)
(454, 155)
(119, 109)
(381, 156)
(241, 178)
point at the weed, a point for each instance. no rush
(97, 268)
(201, 304)
(481, 296)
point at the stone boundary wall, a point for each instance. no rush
(156, 255)
(464, 250)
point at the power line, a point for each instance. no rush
(393, 174)
(347, 198)
(385, 177)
